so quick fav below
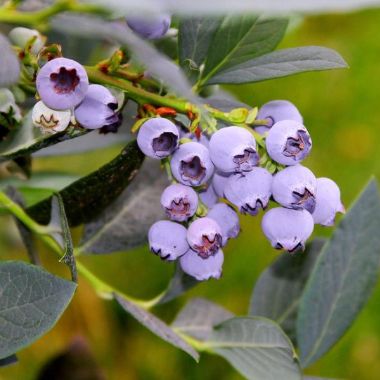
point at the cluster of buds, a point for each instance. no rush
(217, 176)
(68, 98)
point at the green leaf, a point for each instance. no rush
(194, 38)
(279, 288)
(239, 39)
(157, 326)
(88, 197)
(125, 223)
(27, 139)
(342, 280)
(9, 64)
(281, 63)
(31, 302)
(198, 318)
(256, 347)
(179, 284)
(9, 360)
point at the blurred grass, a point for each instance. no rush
(341, 111)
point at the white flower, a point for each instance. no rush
(8, 103)
(21, 36)
(48, 120)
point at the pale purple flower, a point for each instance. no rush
(287, 229)
(275, 111)
(250, 192)
(233, 150)
(158, 138)
(204, 236)
(62, 83)
(98, 108)
(168, 240)
(219, 181)
(180, 202)
(208, 196)
(328, 202)
(295, 187)
(288, 142)
(150, 27)
(227, 219)
(202, 268)
(191, 164)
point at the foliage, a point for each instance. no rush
(318, 293)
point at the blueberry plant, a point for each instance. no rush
(218, 158)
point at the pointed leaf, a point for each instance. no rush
(343, 278)
(125, 223)
(31, 302)
(27, 139)
(281, 63)
(279, 288)
(256, 347)
(157, 326)
(194, 38)
(199, 317)
(88, 197)
(241, 38)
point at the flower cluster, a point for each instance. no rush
(216, 176)
(68, 98)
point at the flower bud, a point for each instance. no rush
(49, 120)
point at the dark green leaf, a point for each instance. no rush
(125, 223)
(9, 360)
(179, 284)
(278, 290)
(256, 347)
(342, 280)
(88, 197)
(27, 139)
(9, 64)
(199, 317)
(31, 301)
(194, 39)
(240, 39)
(281, 63)
(157, 326)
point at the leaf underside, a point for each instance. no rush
(343, 278)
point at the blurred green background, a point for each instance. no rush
(341, 110)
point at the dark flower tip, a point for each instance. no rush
(210, 246)
(165, 143)
(65, 81)
(305, 200)
(193, 169)
(298, 147)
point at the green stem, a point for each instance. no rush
(138, 94)
(13, 16)
(99, 285)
